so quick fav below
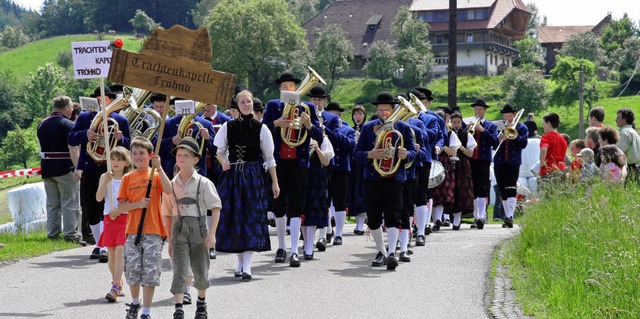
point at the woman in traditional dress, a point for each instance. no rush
(243, 219)
(355, 197)
(444, 193)
(463, 189)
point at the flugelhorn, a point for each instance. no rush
(190, 127)
(293, 135)
(390, 139)
(96, 148)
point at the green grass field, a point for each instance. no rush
(30, 245)
(27, 58)
(577, 254)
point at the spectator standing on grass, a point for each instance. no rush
(58, 162)
(553, 148)
(629, 142)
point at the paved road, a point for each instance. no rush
(448, 278)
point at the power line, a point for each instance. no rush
(631, 77)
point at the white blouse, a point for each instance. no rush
(266, 144)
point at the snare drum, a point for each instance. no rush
(436, 175)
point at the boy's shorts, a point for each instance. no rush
(143, 264)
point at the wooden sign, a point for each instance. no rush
(174, 62)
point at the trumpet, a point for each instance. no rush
(510, 132)
(293, 135)
(389, 139)
(472, 127)
(190, 127)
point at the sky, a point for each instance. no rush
(558, 12)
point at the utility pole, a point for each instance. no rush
(581, 96)
(453, 53)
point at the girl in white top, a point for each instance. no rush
(113, 237)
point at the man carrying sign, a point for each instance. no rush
(89, 170)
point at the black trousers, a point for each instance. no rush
(337, 187)
(408, 191)
(92, 210)
(480, 171)
(383, 198)
(422, 193)
(293, 181)
(507, 179)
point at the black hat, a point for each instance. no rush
(480, 102)
(257, 105)
(117, 88)
(427, 93)
(107, 92)
(508, 108)
(234, 105)
(287, 77)
(238, 89)
(334, 106)
(318, 91)
(188, 143)
(418, 94)
(385, 98)
(158, 97)
(445, 109)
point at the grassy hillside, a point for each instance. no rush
(27, 58)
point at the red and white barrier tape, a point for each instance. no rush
(21, 172)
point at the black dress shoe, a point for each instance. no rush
(508, 222)
(420, 240)
(337, 241)
(246, 276)
(475, 224)
(480, 223)
(212, 253)
(294, 261)
(446, 223)
(428, 230)
(436, 225)
(237, 274)
(404, 257)
(409, 251)
(104, 257)
(307, 257)
(392, 262)
(329, 237)
(281, 256)
(321, 244)
(456, 227)
(95, 254)
(358, 232)
(379, 261)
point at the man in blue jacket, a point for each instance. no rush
(383, 194)
(292, 166)
(506, 163)
(486, 136)
(90, 170)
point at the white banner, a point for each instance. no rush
(91, 60)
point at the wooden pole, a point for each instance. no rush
(453, 54)
(105, 132)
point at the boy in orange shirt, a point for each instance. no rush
(143, 263)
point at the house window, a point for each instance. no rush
(372, 28)
(480, 14)
(470, 14)
(469, 37)
(422, 16)
(440, 60)
(442, 39)
(429, 16)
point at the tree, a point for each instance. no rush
(202, 10)
(12, 112)
(382, 61)
(41, 88)
(583, 45)
(615, 39)
(248, 41)
(19, 147)
(525, 87)
(64, 59)
(530, 52)
(414, 55)
(66, 16)
(142, 23)
(627, 64)
(332, 52)
(13, 37)
(566, 76)
(534, 22)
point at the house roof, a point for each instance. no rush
(355, 17)
(560, 34)
(434, 5)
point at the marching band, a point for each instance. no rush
(303, 162)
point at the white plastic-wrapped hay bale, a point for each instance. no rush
(27, 204)
(8, 228)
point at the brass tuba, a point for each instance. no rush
(293, 135)
(142, 121)
(411, 113)
(96, 149)
(190, 127)
(389, 139)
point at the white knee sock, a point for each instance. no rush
(482, 208)
(341, 218)
(392, 239)
(377, 238)
(95, 229)
(281, 230)
(438, 215)
(246, 264)
(310, 239)
(240, 266)
(404, 240)
(322, 232)
(360, 221)
(447, 217)
(457, 218)
(511, 202)
(429, 210)
(294, 227)
(421, 219)
(475, 208)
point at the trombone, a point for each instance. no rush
(510, 132)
